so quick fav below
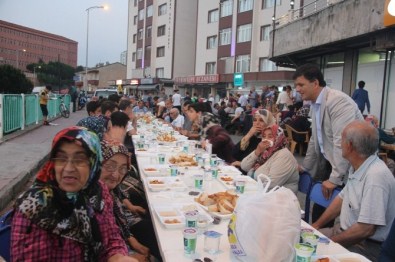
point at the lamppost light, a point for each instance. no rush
(292, 3)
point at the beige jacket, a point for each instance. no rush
(281, 168)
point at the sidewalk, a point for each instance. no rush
(23, 153)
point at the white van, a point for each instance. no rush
(38, 90)
(105, 92)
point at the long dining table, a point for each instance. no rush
(170, 237)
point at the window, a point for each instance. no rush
(162, 9)
(147, 53)
(265, 30)
(139, 53)
(133, 56)
(160, 51)
(160, 72)
(269, 3)
(213, 16)
(243, 63)
(148, 32)
(140, 34)
(245, 5)
(244, 33)
(226, 8)
(149, 11)
(161, 30)
(210, 68)
(266, 65)
(134, 38)
(141, 14)
(225, 36)
(211, 42)
(135, 20)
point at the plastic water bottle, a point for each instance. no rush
(209, 147)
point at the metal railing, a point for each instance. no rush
(306, 10)
(20, 111)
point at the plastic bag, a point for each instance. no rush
(265, 226)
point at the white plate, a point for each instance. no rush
(172, 222)
(156, 170)
(228, 170)
(350, 257)
(223, 216)
(166, 183)
(251, 184)
(316, 257)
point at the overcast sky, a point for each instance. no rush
(68, 18)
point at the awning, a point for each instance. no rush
(148, 87)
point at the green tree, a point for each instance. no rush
(13, 81)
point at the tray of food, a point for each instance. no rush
(156, 170)
(229, 182)
(166, 138)
(183, 160)
(220, 204)
(165, 183)
(173, 216)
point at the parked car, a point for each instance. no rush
(105, 92)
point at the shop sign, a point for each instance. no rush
(238, 79)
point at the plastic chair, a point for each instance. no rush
(305, 184)
(5, 235)
(292, 142)
(317, 197)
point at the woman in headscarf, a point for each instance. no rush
(67, 213)
(137, 231)
(211, 131)
(272, 158)
(261, 119)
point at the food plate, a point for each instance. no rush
(316, 258)
(156, 170)
(228, 170)
(228, 182)
(218, 214)
(350, 257)
(220, 204)
(172, 216)
(182, 160)
(166, 183)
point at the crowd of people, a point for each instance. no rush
(88, 204)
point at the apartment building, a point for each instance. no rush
(350, 40)
(205, 43)
(161, 40)
(20, 46)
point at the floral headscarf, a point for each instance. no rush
(266, 115)
(280, 141)
(61, 213)
(206, 121)
(96, 124)
(111, 148)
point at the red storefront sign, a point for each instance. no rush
(203, 79)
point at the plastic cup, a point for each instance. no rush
(303, 252)
(140, 144)
(208, 175)
(214, 172)
(211, 241)
(202, 224)
(141, 136)
(191, 219)
(161, 158)
(190, 235)
(240, 185)
(198, 181)
(311, 239)
(213, 160)
(173, 170)
(185, 148)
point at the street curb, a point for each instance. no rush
(17, 184)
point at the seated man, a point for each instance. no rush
(178, 121)
(365, 204)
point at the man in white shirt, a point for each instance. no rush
(243, 100)
(284, 99)
(178, 121)
(176, 98)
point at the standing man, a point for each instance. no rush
(361, 97)
(176, 98)
(331, 111)
(44, 97)
(253, 97)
(366, 204)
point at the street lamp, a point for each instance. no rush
(17, 57)
(34, 73)
(87, 42)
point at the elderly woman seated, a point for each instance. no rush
(272, 158)
(67, 214)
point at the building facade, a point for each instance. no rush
(102, 76)
(350, 40)
(20, 46)
(200, 45)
